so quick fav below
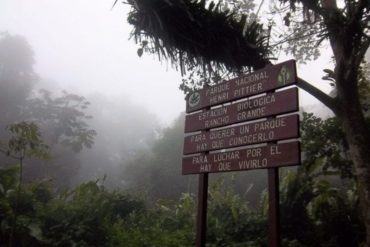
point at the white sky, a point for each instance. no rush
(83, 45)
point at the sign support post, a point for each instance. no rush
(202, 210)
(274, 207)
(201, 230)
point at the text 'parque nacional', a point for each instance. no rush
(239, 113)
(269, 78)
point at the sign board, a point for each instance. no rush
(260, 107)
(276, 155)
(229, 143)
(267, 79)
(246, 134)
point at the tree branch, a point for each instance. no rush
(295, 38)
(318, 94)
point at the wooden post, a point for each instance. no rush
(202, 210)
(202, 201)
(274, 209)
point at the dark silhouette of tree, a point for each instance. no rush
(17, 77)
(62, 120)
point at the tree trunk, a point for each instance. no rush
(345, 40)
(357, 133)
(358, 139)
(359, 144)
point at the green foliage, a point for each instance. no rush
(320, 196)
(62, 119)
(296, 193)
(89, 215)
(326, 215)
(316, 209)
(172, 223)
(334, 214)
(8, 178)
(231, 221)
(23, 205)
(165, 224)
(65, 128)
(83, 216)
(25, 141)
(325, 148)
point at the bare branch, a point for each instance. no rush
(294, 38)
(318, 94)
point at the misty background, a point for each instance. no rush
(128, 108)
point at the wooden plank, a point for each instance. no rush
(272, 104)
(201, 234)
(276, 155)
(258, 132)
(274, 207)
(266, 79)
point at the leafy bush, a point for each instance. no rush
(79, 217)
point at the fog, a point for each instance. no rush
(83, 48)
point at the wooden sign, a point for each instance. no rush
(247, 134)
(272, 104)
(277, 155)
(267, 79)
(214, 136)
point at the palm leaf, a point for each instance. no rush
(189, 34)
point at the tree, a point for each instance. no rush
(62, 120)
(321, 196)
(25, 142)
(184, 32)
(86, 215)
(65, 128)
(17, 77)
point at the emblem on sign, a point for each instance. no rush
(284, 76)
(194, 99)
